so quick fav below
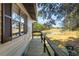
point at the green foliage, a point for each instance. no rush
(39, 14)
(38, 26)
(72, 19)
(46, 10)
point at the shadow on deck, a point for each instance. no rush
(36, 48)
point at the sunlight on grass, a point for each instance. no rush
(62, 36)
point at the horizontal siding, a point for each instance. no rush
(14, 47)
(17, 46)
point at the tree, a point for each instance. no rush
(72, 20)
(46, 10)
(38, 26)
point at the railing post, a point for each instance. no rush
(41, 37)
(55, 54)
(32, 34)
(44, 44)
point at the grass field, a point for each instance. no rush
(64, 37)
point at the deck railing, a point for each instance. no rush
(46, 41)
(57, 51)
(40, 34)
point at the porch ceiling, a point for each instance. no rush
(31, 9)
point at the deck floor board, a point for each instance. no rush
(36, 48)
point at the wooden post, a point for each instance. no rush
(41, 37)
(44, 44)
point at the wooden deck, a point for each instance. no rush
(36, 48)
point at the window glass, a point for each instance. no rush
(15, 16)
(15, 20)
(15, 24)
(22, 20)
(22, 25)
(18, 20)
(22, 28)
(15, 28)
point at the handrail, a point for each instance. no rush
(57, 51)
(37, 35)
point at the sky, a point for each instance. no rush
(59, 23)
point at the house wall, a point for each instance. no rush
(17, 46)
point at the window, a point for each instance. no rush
(6, 22)
(22, 26)
(22, 23)
(15, 24)
(17, 21)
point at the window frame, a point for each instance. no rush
(6, 25)
(21, 15)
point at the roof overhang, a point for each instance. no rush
(31, 9)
